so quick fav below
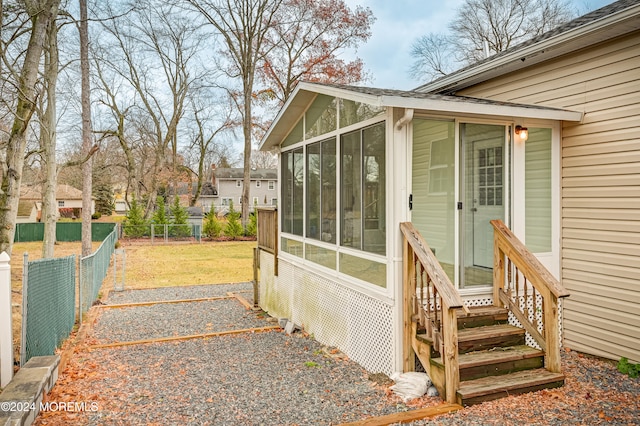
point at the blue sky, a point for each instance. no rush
(399, 22)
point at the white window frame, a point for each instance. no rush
(258, 183)
(271, 185)
(238, 183)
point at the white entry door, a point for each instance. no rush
(484, 172)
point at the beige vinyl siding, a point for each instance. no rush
(600, 188)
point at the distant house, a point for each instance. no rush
(67, 197)
(227, 187)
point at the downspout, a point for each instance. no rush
(405, 119)
(400, 213)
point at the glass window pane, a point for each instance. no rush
(313, 190)
(351, 185)
(538, 190)
(374, 239)
(364, 269)
(291, 246)
(352, 112)
(321, 256)
(298, 191)
(321, 116)
(433, 205)
(328, 191)
(287, 192)
(295, 136)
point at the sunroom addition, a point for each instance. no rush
(333, 189)
(357, 162)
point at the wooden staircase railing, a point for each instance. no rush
(528, 290)
(434, 312)
(432, 308)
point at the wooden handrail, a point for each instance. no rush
(526, 261)
(446, 290)
(514, 268)
(432, 308)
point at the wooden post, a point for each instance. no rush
(408, 271)
(450, 355)
(256, 265)
(552, 332)
(498, 270)
(6, 328)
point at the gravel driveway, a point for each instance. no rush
(248, 378)
(270, 378)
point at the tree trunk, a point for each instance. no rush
(246, 126)
(87, 169)
(16, 145)
(48, 143)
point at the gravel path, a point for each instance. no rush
(174, 319)
(270, 378)
(178, 293)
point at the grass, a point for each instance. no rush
(188, 264)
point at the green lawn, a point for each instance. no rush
(188, 264)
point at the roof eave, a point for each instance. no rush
(462, 107)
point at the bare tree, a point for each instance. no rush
(87, 136)
(152, 54)
(432, 56)
(243, 25)
(491, 27)
(307, 37)
(263, 160)
(41, 13)
(207, 129)
(48, 122)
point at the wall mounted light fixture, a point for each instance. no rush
(523, 133)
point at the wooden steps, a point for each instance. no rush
(489, 336)
(496, 361)
(493, 359)
(490, 387)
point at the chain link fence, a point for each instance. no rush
(49, 296)
(48, 305)
(163, 233)
(93, 270)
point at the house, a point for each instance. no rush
(227, 189)
(503, 184)
(67, 197)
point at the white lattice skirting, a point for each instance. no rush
(359, 325)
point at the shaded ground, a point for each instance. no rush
(273, 379)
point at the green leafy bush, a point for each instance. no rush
(233, 229)
(135, 225)
(252, 226)
(160, 215)
(212, 226)
(180, 220)
(625, 367)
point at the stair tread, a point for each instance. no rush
(480, 333)
(481, 311)
(494, 356)
(508, 382)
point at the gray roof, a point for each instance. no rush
(413, 94)
(305, 93)
(610, 21)
(238, 173)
